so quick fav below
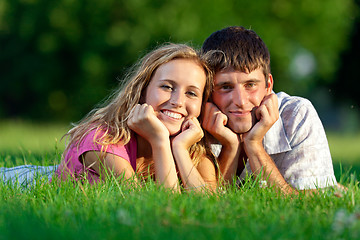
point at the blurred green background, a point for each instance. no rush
(59, 59)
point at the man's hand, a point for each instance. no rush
(214, 122)
(267, 114)
(260, 162)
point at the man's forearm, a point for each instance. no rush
(261, 163)
(228, 162)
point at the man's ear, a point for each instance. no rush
(269, 83)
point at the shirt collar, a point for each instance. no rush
(275, 140)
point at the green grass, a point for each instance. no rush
(345, 151)
(17, 136)
(112, 211)
(30, 143)
(109, 211)
(344, 148)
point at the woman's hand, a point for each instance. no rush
(202, 176)
(144, 122)
(191, 133)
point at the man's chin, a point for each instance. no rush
(241, 130)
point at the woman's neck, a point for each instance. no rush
(143, 148)
(144, 161)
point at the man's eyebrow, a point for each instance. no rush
(253, 80)
(225, 82)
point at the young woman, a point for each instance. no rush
(149, 127)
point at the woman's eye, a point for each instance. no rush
(166, 87)
(192, 94)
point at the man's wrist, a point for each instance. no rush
(253, 146)
(231, 147)
(230, 142)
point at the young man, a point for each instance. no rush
(276, 135)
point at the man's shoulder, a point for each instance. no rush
(297, 114)
(288, 100)
(293, 104)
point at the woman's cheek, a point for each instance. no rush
(195, 109)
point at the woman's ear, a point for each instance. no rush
(142, 98)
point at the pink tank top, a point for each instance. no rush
(72, 165)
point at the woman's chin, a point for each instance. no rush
(174, 129)
(174, 132)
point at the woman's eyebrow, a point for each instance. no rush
(175, 83)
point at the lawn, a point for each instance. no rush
(111, 210)
(18, 136)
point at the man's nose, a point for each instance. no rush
(239, 96)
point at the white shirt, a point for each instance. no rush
(297, 144)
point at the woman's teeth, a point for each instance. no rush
(172, 114)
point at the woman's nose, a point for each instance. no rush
(177, 99)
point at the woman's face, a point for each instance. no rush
(175, 92)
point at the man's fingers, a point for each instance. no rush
(272, 106)
(268, 111)
(209, 117)
(220, 118)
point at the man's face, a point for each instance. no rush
(238, 94)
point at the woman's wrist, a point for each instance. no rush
(160, 143)
(179, 146)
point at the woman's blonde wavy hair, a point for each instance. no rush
(112, 116)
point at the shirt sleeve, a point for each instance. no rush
(308, 165)
(90, 143)
(72, 166)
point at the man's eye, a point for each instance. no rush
(250, 85)
(226, 87)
